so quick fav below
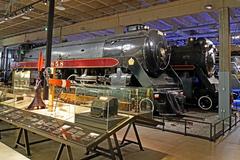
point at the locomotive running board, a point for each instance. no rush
(76, 63)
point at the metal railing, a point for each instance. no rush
(215, 130)
(225, 128)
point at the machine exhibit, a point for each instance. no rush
(87, 92)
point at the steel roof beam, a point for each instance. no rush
(161, 11)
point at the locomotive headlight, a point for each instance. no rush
(156, 96)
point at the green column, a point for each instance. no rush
(225, 63)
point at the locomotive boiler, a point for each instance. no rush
(138, 58)
(195, 64)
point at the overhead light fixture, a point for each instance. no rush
(24, 10)
(13, 16)
(208, 6)
(31, 8)
(60, 6)
(26, 17)
(236, 37)
(18, 13)
(45, 2)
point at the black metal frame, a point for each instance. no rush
(112, 152)
(26, 145)
(213, 134)
(7, 129)
(60, 150)
(224, 130)
(93, 149)
(109, 153)
(125, 141)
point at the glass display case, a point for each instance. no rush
(131, 100)
(7, 96)
(75, 116)
(98, 107)
(21, 95)
(43, 124)
(22, 79)
(100, 111)
(103, 114)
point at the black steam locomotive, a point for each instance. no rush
(143, 61)
(195, 65)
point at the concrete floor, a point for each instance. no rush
(7, 152)
(158, 145)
